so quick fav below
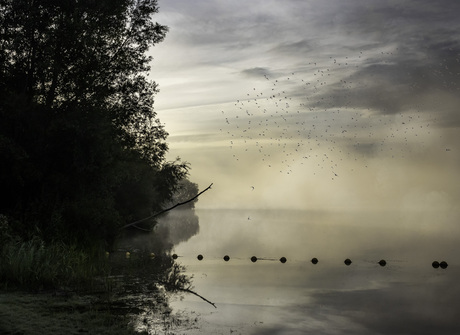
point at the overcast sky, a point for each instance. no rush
(313, 104)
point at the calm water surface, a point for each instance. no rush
(407, 296)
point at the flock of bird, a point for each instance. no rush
(310, 118)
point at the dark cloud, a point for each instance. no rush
(301, 25)
(294, 49)
(257, 72)
(388, 22)
(227, 24)
(410, 54)
(425, 60)
(426, 79)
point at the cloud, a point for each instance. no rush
(295, 49)
(236, 23)
(257, 72)
(351, 86)
(401, 85)
(415, 58)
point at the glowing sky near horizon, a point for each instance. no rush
(313, 104)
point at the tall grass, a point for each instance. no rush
(33, 264)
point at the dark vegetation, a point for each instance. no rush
(81, 149)
(82, 152)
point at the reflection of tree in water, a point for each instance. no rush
(178, 226)
(182, 223)
(149, 275)
(177, 223)
(140, 285)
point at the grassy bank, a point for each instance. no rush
(129, 303)
(29, 314)
(36, 266)
(54, 288)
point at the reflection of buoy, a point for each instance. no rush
(314, 260)
(107, 254)
(347, 261)
(200, 257)
(174, 256)
(226, 258)
(443, 264)
(283, 260)
(435, 264)
(128, 254)
(382, 262)
(253, 259)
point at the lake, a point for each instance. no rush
(407, 295)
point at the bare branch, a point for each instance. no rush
(192, 292)
(164, 210)
(187, 290)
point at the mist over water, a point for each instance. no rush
(346, 117)
(406, 296)
(178, 226)
(299, 235)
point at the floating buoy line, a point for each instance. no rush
(314, 260)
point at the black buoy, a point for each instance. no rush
(283, 260)
(347, 261)
(200, 257)
(174, 256)
(253, 259)
(435, 264)
(226, 258)
(382, 262)
(443, 265)
(314, 260)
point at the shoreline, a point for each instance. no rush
(27, 313)
(70, 313)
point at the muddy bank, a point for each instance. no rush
(48, 313)
(70, 313)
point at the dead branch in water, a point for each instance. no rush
(164, 210)
(174, 287)
(192, 292)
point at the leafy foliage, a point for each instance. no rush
(185, 191)
(82, 151)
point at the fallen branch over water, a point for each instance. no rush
(175, 284)
(164, 211)
(192, 292)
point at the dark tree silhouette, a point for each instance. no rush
(185, 190)
(82, 151)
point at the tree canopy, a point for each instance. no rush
(82, 151)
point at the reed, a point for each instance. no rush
(35, 265)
